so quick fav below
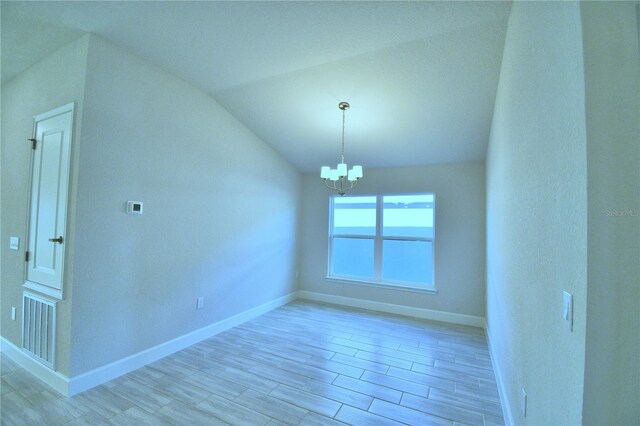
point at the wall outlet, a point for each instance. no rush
(200, 304)
(567, 311)
(523, 403)
(13, 313)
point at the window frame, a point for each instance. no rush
(378, 241)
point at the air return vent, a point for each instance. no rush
(39, 328)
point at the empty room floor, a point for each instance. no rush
(301, 364)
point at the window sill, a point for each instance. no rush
(399, 286)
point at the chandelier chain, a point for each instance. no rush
(343, 120)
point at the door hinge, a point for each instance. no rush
(33, 143)
(26, 256)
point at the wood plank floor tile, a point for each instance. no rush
(103, 402)
(356, 345)
(493, 420)
(406, 415)
(446, 411)
(272, 407)
(368, 388)
(303, 363)
(383, 343)
(485, 393)
(464, 401)
(408, 356)
(137, 416)
(232, 413)
(17, 410)
(248, 379)
(384, 359)
(139, 394)
(336, 367)
(466, 369)
(354, 416)
(315, 419)
(339, 394)
(5, 387)
(177, 413)
(395, 383)
(452, 375)
(173, 366)
(216, 385)
(361, 363)
(423, 379)
(307, 400)
(181, 391)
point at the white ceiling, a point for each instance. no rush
(421, 77)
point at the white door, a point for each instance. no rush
(48, 206)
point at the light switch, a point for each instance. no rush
(567, 312)
(14, 243)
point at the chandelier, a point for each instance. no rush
(340, 179)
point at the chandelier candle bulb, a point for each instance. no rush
(325, 172)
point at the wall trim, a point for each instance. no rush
(80, 383)
(507, 414)
(58, 381)
(125, 365)
(409, 311)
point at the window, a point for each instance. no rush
(383, 239)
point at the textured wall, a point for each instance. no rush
(221, 212)
(612, 83)
(52, 82)
(459, 247)
(537, 213)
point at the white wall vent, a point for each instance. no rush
(39, 328)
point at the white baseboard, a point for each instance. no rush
(394, 309)
(108, 372)
(59, 382)
(74, 385)
(502, 390)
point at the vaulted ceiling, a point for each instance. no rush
(421, 77)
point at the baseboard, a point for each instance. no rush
(59, 382)
(502, 390)
(108, 372)
(394, 309)
(74, 385)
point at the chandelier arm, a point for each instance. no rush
(332, 186)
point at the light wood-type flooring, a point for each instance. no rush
(301, 364)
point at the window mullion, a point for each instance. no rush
(377, 245)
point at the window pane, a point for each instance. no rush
(408, 216)
(409, 261)
(353, 257)
(354, 215)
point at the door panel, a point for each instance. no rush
(48, 209)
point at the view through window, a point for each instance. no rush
(383, 239)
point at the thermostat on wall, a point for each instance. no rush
(134, 207)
